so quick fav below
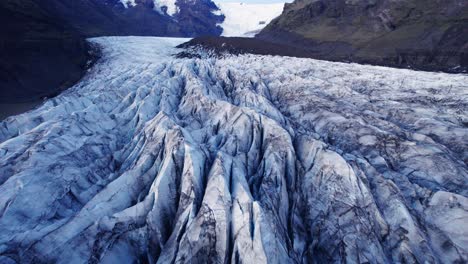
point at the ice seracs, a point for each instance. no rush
(244, 159)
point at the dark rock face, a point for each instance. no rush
(196, 18)
(420, 34)
(110, 17)
(39, 55)
(104, 18)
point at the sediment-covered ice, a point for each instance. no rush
(246, 159)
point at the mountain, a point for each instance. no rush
(110, 17)
(199, 18)
(245, 19)
(140, 17)
(237, 159)
(422, 34)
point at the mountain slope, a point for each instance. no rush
(198, 17)
(109, 17)
(39, 53)
(244, 159)
(143, 17)
(415, 33)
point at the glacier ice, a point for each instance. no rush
(246, 19)
(244, 159)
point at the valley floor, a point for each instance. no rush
(248, 159)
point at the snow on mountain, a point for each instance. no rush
(162, 6)
(128, 3)
(166, 6)
(244, 19)
(242, 159)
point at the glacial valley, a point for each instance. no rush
(153, 158)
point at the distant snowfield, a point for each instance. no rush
(240, 159)
(243, 19)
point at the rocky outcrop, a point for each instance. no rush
(431, 35)
(143, 18)
(242, 159)
(197, 18)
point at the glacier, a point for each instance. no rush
(152, 158)
(246, 19)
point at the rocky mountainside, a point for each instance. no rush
(237, 159)
(110, 17)
(422, 34)
(39, 54)
(139, 17)
(198, 18)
